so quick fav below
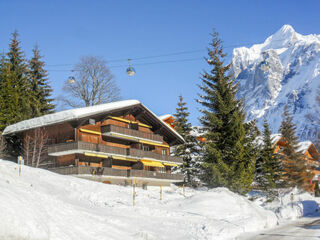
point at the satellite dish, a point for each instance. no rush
(130, 70)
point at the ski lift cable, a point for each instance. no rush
(138, 64)
(155, 56)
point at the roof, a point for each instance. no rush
(275, 137)
(80, 113)
(67, 115)
(164, 117)
(304, 146)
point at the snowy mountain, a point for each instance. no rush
(285, 69)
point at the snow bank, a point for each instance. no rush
(43, 205)
(303, 205)
(228, 213)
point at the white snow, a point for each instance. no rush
(283, 70)
(163, 117)
(304, 146)
(78, 113)
(67, 115)
(43, 205)
(303, 204)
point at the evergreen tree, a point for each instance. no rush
(189, 151)
(15, 92)
(3, 92)
(227, 162)
(269, 166)
(40, 88)
(295, 172)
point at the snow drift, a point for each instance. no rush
(42, 205)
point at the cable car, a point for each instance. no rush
(71, 79)
(130, 70)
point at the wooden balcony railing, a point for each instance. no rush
(89, 170)
(148, 154)
(104, 171)
(157, 175)
(131, 132)
(79, 145)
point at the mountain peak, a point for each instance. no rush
(285, 29)
(284, 36)
(285, 32)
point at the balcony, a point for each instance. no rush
(75, 170)
(148, 154)
(157, 175)
(82, 147)
(111, 172)
(109, 130)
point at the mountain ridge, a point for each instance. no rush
(283, 70)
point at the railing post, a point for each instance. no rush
(134, 193)
(184, 191)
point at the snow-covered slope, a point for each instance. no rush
(43, 205)
(285, 69)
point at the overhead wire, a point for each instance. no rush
(151, 57)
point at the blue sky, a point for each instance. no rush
(67, 30)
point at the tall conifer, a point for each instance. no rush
(226, 160)
(295, 172)
(40, 88)
(16, 88)
(269, 166)
(189, 151)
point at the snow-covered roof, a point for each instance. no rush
(163, 117)
(197, 131)
(76, 114)
(275, 137)
(304, 146)
(67, 115)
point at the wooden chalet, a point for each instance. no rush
(116, 143)
(307, 148)
(169, 120)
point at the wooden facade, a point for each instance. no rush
(128, 139)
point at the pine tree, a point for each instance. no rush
(269, 166)
(295, 172)
(227, 162)
(3, 92)
(40, 88)
(15, 92)
(189, 151)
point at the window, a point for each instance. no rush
(134, 126)
(164, 152)
(145, 148)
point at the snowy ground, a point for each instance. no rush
(43, 205)
(305, 228)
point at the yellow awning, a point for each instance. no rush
(153, 143)
(170, 164)
(129, 121)
(89, 131)
(126, 137)
(124, 158)
(152, 163)
(95, 155)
